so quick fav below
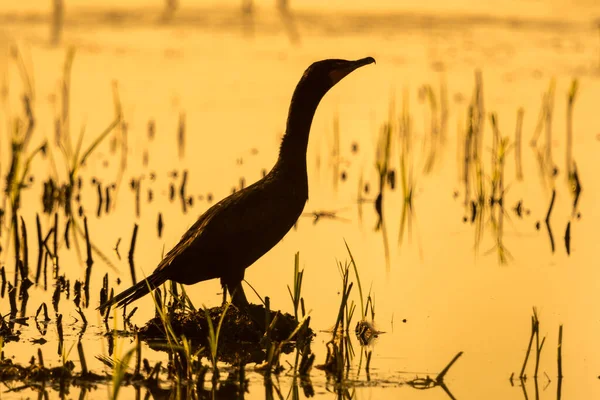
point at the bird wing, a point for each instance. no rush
(233, 233)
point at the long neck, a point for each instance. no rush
(292, 153)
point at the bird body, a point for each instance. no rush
(235, 232)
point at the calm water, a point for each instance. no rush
(233, 78)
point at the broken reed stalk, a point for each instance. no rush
(518, 141)
(547, 221)
(59, 330)
(38, 270)
(569, 147)
(538, 349)
(84, 368)
(12, 299)
(131, 252)
(89, 262)
(66, 235)
(3, 283)
(46, 256)
(100, 199)
(160, 225)
(25, 272)
(182, 190)
(17, 247)
(40, 357)
(55, 246)
(533, 330)
(24, 290)
(550, 207)
(559, 358)
(296, 295)
(107, 202)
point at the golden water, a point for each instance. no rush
(234, 88)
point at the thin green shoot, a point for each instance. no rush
(120, 367)
(213, 337)
(297, 294)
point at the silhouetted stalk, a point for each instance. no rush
(182, 191)
(46, 256)
(3, 283)
(24, 290)
(559, 358)
(107, 197)
(17, 241)
(40, 358)
(568, 238)
(59, 330)
(267, 320)
(131, 252)
(89, 262)
(84, 369)
(569, 147)
(12, 299)
(534, 328)
(67, 231)
(25, 250)
(56, 296)
(160, 225)
(297, 293)
(538, 349)
(550, 207)
(518, 140)
(100, 200)
(55, 246)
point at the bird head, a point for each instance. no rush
(323, 75)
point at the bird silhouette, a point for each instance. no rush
(235, 232)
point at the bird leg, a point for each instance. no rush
(238, 297)
(224, 287)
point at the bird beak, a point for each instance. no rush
(339, 73)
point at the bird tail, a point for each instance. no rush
(138, 290)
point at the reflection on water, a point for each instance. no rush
(435, 167)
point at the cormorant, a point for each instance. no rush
(234, 233)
